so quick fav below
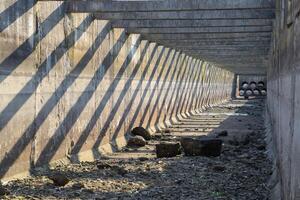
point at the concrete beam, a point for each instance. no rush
(234, 65)
(190, 23)
(215, 40)
(237, 58)
(229, 60)
(238, 68)
(228, 54)
(222, 48)
(217, 47)
(224, 51)
(190, 36)
(166, 5)
(212, 43)
(189, 15)
(234, 29)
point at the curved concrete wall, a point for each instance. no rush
(72, 87)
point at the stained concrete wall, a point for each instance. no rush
(71, 87)
(284, 99)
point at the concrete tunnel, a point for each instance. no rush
(78, 76)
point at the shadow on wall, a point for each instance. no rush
(123, 82)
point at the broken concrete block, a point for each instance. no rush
(167, 150)
(141, 132)
(136, 141)
(201, 146)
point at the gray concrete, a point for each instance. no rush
(284, 101)
(192, 36)
(233, 29)
(190, 15)
(190, 23)
(166, 5)
(72, 87)
(68, 77)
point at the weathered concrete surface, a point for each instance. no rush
(162, 21)
(72, 87)
(190, 23)
(167, 5)
(190, 15)
(240, 172)
(283, 99)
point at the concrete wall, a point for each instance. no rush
(284, 98)
(72, 87)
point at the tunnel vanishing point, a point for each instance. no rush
(76, 76)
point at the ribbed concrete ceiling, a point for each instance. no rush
(234, 34)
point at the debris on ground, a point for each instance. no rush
(136, 141)
(59, 178)
(140, 131)
(240, 172)
(3, 190)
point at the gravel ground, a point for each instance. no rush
(241, 172)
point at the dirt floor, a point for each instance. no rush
(241, 172)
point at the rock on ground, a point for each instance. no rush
(136, 141)
(241, 172)
(59, 179)
(141, 132)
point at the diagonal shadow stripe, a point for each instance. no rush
(195, 96)
(14, 12)
(43, 70)
(119, 100)
(134, 95)
(189, 81)
(30, 132)
(153, 90)
(192, 80)
(145, 91)
(83, 137)
(168, 90)
(161, 90)
(73, 114)
(9, 64)
(203, 85)
(177, 86)
(180, 89)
